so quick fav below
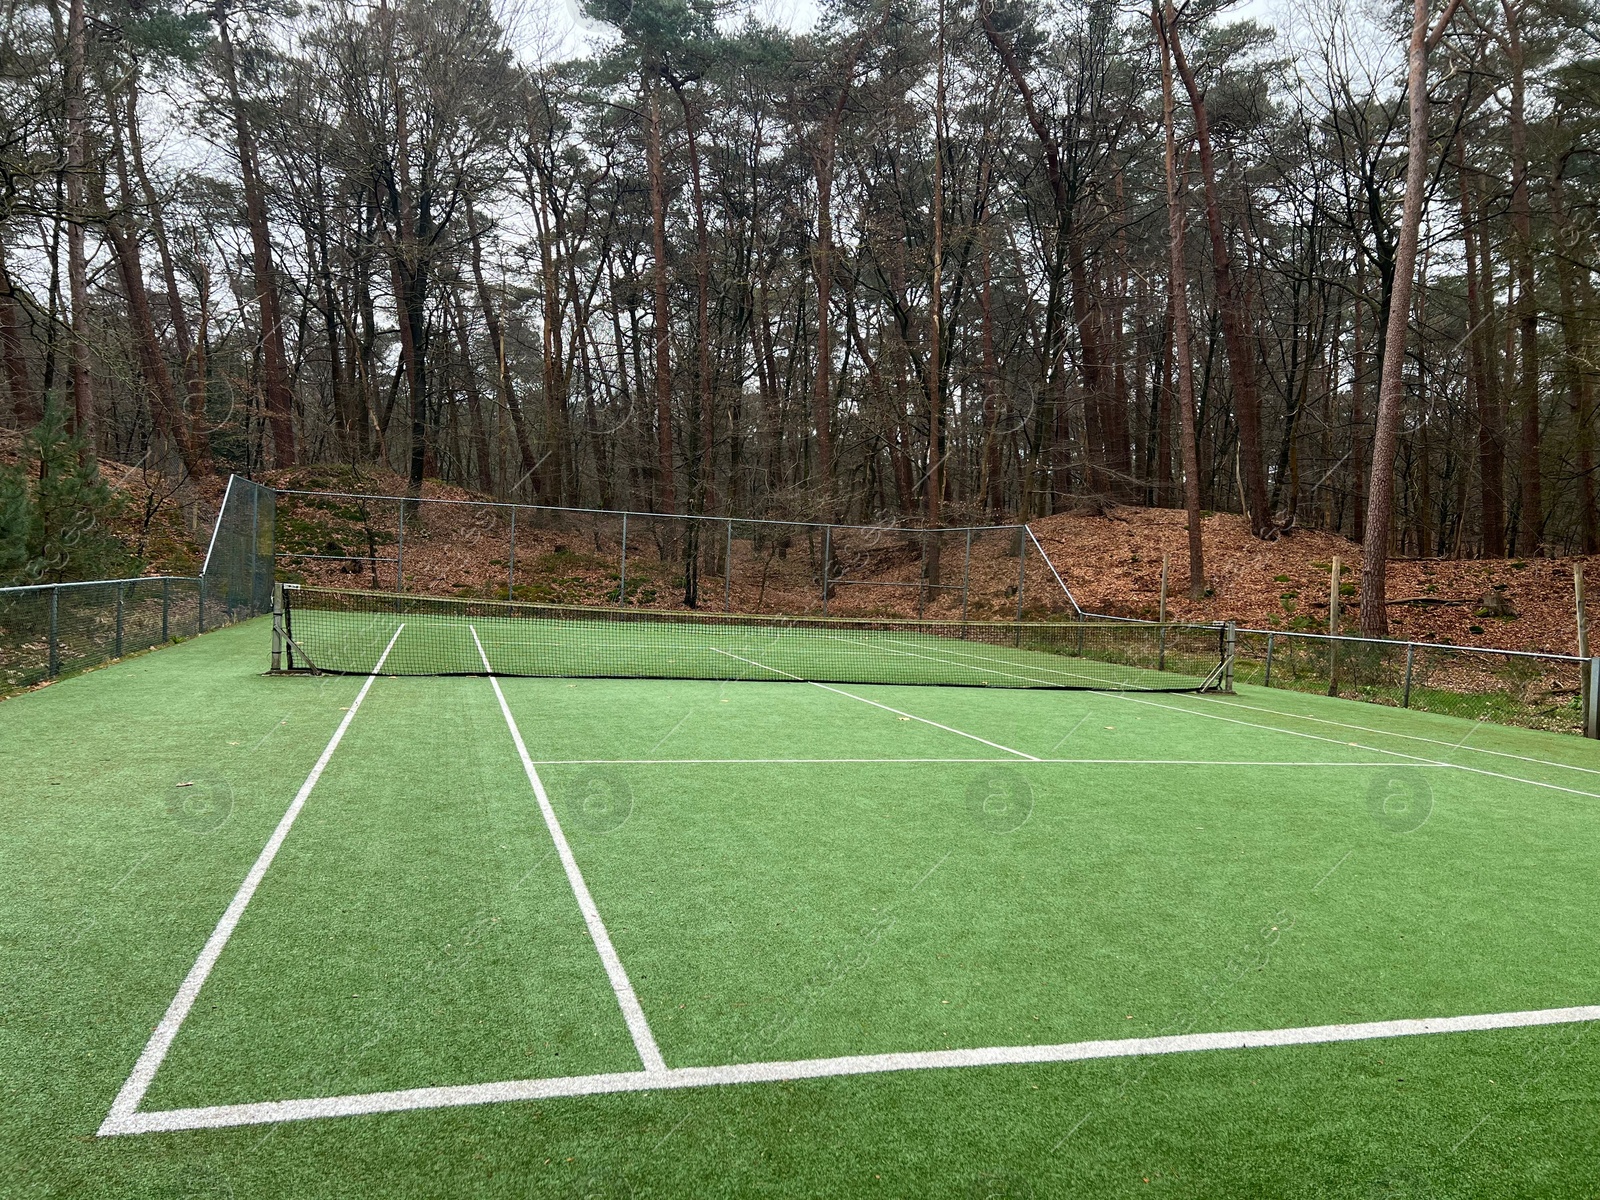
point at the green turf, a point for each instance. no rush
(417, 929)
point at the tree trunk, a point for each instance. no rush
(25, 401)
(1573, 246)
(1481, 398)
(274, 359)
(497, 342)
(1391, 382)
(167, 410)
(666, 492)
(1530, 523)
(1236, 320)
(83, 414)
(1177, 289)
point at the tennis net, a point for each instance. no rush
(336, 631)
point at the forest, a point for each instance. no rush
(924, 261)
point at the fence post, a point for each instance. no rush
(255, 546)
(400, 551)
(511, 561)
(727, 572)
(1022, 567)
(622, 566)
(1411, 655)
(827, 564)
(1267, 678)
(1591, 716)
(200, 623)
(1333, 629)
(116, 645)
(54, 663)
(166, 608)
(277, 627)
(922, 579)
(966, 578)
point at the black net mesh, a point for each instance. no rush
(238, 567)
(357, 632)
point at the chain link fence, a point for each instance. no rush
(545, 555)
(51, 630)
(1508, 687)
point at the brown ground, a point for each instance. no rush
(1112, 563)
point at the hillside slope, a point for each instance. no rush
(1113, 565)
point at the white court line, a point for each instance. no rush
(897, 712)
(1044, 762)
(223, 1116)
(1315, 737)
(644, 1041)
(1410, 737)
(144, 1071)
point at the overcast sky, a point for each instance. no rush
(566, 26)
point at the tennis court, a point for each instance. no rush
(557, 935)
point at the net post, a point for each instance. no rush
(200, 623)
(1230, 645)
(1161, 653)
(622, 566)
(116, 645)
(53, 666)
(277, 628)
(727, 571)
(966, 579)
(827, 564)
(166, 608)
(511, 559)
(1411, 655)
(1022, 569)
(1591, 716)
(1267, 679)
(400, 551)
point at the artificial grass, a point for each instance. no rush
(790, 910)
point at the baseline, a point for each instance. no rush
(888, 762)
(411, 1099)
